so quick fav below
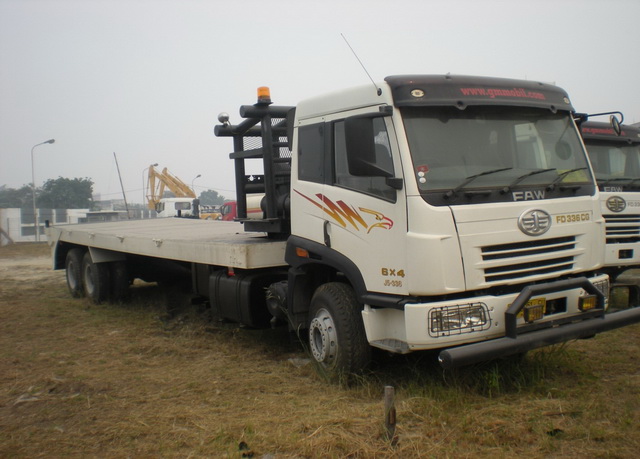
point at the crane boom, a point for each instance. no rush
(160, 181)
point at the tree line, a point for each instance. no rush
(60, 193)
(66, 193)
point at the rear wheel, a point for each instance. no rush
(337, 339)
(95, 278)
(73, 269)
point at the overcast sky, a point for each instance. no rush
(146, 79)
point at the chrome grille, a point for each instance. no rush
(529, 258)
(622, 228)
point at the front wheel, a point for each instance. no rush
(337, 339)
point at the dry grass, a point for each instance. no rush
(130, 381)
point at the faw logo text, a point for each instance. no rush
(528, 195)
(613, 189)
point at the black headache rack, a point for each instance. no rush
(529, 337)
(265, 134)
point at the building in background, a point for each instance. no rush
(18, 225)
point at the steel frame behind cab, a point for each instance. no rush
(274, 126)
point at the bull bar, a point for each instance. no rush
(556, 332)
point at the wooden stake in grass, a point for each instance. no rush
(389, 412)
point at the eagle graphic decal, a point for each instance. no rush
(345, 214)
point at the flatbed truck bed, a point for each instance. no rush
(180, 239)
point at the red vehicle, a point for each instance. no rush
(228, 210)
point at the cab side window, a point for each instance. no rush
(311, 153)
(375, 186)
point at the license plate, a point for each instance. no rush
(533, 310)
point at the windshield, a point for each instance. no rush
(495, 153)
(615, 164)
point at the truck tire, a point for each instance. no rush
(95, 278)
(337, 339)
(73, 270)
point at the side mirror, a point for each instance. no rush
(615, 124)
(613, 119)
(563, 150)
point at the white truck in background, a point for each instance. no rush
(428, 212)
(177, 207)
(615, 158)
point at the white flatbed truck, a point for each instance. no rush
(428, 212)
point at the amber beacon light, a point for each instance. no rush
(264, 95)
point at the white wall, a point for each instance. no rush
(14, 229)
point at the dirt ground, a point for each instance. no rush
(27, 269)
(130, 380)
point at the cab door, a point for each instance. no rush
(363, 201)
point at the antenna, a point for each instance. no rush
(378, 90)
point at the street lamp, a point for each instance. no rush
(33, 191)
(143, 186)
(194, 179)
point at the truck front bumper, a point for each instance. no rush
(503, 347)
(489, 327)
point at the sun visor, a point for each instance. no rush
(461, 91)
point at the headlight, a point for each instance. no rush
(458, 319)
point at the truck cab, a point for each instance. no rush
(444, 210)
(615, 158)
(229, 212)
(177, 207)
(448, 194)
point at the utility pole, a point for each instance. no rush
(126, 206)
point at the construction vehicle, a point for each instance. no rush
(181, 205)
(210, 212)
(615, 157)
(455, 213)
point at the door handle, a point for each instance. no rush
(325, 230)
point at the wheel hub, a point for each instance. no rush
(88, 279)
(74, 282)
(323, 338)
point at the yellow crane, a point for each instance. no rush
(159, 182)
